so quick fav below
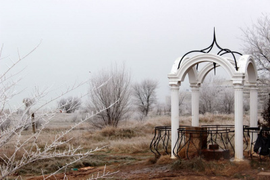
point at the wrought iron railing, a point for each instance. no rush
(161, 140)
(192, 140)
(222, 135)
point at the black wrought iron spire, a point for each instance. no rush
(221, 52)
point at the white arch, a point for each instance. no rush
(206, 69)
(174, 78)
(191, 62)
(247, 65)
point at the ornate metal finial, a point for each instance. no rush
(221, 52)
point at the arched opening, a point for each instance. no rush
(251, 73)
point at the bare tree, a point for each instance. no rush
(144, 94)
(70, 104)
(24, 150)
(110, 90)
(160, 109)
(216, 95)
(227, 100)
(184, 102)
(257, 43)
(209, 94)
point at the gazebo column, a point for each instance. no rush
(238, 120)
(253, 106)
(195, 104)
(253, 112)
(174, 116)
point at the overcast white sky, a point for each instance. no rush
(79, 36)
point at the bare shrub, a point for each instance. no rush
(4, 123)
(108, 131)
(144, 94)
(110, 90)
(19, 148)
(24, 149)
(70, 104)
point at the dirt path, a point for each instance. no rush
(144, 168)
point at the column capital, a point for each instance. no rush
(174, 87)
(251, 84)
(238, 78)
(238, 86)
(253, 88)
(175, 83)
(195, 85)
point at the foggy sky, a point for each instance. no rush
(82, 36)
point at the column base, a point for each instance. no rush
(237, 159)
(173, 157)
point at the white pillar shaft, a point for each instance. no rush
(195, 106)
(253, 107)
(174, 116)
(253, 114)
(238, 113)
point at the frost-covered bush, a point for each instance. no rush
(70, 104)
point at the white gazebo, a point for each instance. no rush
(241, 71)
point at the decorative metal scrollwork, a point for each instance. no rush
(222, 135)
(221, 52)
(161, 140)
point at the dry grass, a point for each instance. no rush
(221, 119)
(118, 133)
(158, 121)
(138, 144)
(217, 168)
(165, 159)
(130, 137)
